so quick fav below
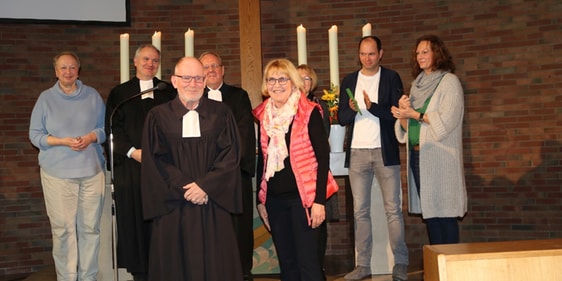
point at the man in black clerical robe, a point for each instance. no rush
(191, 183)
(127, 123)
(238, 101)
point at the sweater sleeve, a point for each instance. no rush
(346, 115)
(100, 123)
(321, 147)
(259, 165)
(401, 134)
(37, 131)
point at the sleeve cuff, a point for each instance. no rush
(130, 152)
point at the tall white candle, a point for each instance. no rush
(156, 41)
(367, 29)
(301, 44)
(334, 61)
(188, 36)
(124, 56)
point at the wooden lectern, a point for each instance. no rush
(494, 261)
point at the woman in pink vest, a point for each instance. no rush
(292, 171)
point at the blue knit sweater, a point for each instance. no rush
(68, 115)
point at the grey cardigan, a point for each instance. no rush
(443, 189)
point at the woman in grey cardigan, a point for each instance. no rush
(430, 122)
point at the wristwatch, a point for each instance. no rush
(421, 117)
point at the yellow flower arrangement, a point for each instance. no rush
(332, 99)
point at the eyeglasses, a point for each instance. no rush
(212, 66)
(188, 79)
(307, 79)
(282, 81)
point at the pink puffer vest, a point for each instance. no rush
(303, 160)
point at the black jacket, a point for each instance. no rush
(390, 91)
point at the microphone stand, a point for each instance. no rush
(160, 86)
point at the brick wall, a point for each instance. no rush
(508, 56)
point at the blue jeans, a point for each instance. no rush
(74, 207)
(365, 166)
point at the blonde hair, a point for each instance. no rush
(282, 66)
(312, 74)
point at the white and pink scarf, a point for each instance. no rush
(276, 124)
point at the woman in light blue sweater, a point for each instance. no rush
(67, 125)
(430, 122)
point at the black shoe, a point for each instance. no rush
(400, 272)
(140, 277)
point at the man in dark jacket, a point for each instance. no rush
(373, 154)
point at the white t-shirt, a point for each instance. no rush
(366, 132)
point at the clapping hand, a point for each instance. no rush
(404, 109)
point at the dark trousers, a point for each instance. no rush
(295, 241)
(323, 243)
(444, 230)
(244, 226)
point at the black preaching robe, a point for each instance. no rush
(191, 242)
(238, 101)
(128, 122)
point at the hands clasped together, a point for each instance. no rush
(195, 194)
(79, 143)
